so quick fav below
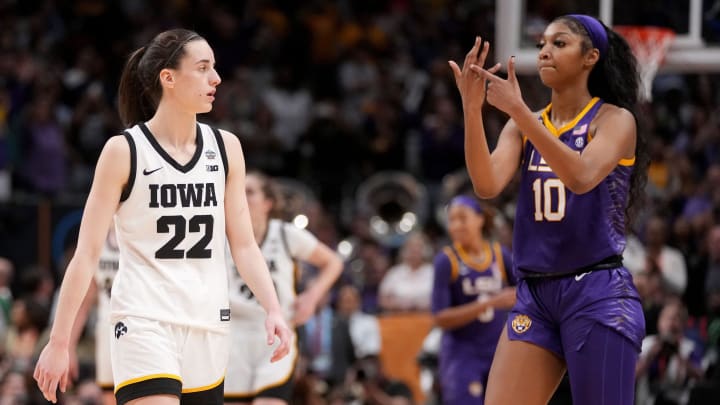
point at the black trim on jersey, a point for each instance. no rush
(221, 147)
(155, 386)
(183, 168)
(133, 167)
(283, 236)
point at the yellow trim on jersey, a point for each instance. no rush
(285, 379)
(105, 386)
(557, 132)
(146, 378)
(627, 162)
(499, 260)
(206, 387)
(623, 161)
(476, 265)
(454, 266)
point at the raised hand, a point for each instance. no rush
(469, 82)
(503, 94)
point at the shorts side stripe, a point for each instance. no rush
(206, 387)
(145, 378)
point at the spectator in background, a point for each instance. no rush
(407, 286)
(669, 361)
(364, 328)
(659, 257)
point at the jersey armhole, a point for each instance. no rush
(454, 265)
(286, 245)
(133, 167)
(221, 148)
(501, 263)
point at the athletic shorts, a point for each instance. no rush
(250, 374)
(547, 308)
(151, 357)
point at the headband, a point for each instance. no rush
(596, 31)
(468, 202)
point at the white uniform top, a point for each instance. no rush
(104, 276)
(171, 231)
(284, 243)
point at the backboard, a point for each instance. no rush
(696, 22)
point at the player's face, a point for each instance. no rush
(195, 79)
(258, 203)
(560, 54)
(464, 224)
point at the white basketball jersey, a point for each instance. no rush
(283, 245)
(104, 276)
(171, 231)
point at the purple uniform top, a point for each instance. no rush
(556, 230)
(459, 279)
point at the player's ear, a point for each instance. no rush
(167, 78)
(591, 58)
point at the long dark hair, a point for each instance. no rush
(616, 80)
(139, 92)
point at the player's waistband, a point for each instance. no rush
(608, 263)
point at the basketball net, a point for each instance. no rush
(650, 45)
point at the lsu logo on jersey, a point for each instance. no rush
(521, 323)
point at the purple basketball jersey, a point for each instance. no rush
(556, 230)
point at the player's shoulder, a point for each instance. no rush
(608, 112)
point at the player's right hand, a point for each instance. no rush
(51, 370)
(275, 325)
(471, 84)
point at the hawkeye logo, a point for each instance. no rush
(120, 329)
(521, 323)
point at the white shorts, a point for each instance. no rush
(103, 368)
(250, 373)
(151, 357)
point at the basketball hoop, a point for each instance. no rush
(650, 45)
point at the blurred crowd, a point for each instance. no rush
(330, 93)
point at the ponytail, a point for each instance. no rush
(131, 109)
(140, 92)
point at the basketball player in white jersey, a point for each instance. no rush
(176, 189)
(99, 293)
(251, 378)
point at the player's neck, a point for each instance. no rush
(474, 248)
(567, 104)
(173, 127)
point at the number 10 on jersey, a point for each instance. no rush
(549, 199)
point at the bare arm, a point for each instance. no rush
(614, 137)
(489, 172)
(79, 326)
(111, 174)
(244, 249)
(330, 266)
(455, 317)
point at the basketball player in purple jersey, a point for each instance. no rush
(582, 163)
(472, 293)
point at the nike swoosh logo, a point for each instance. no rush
(580, 276)
(146, 171)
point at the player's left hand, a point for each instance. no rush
(503, 94)
(275, 325)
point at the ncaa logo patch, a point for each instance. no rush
(210, 154)
(120, 329)
(521, 323)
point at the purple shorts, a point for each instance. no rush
(593, 321)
